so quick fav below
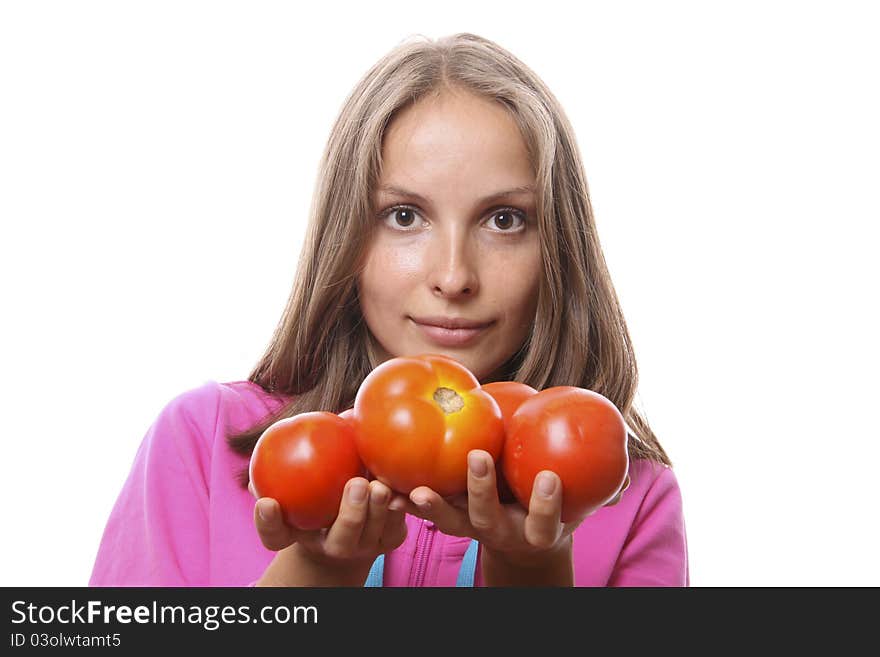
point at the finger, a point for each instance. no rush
(401, 503)
(459, 501)
(274, 532)
(542, 526)
(483, 508)
(430, 506)
(252, 490)
(379, 495)
(345, 533)
(394, 531)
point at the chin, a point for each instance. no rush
(466, 357)
(462, 357)
(477, 369)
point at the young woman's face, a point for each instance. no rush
(446, 246)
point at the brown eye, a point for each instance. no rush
(506, 221)
(403, 216)
(400, 217)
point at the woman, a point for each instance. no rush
(451, 193)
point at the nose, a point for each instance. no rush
(451, 265)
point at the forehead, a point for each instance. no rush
(459, 139)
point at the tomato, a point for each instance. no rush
(509, 395)
(578, 434)
(416, 418)
(304, 462)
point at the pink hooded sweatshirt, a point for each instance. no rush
(182, 519)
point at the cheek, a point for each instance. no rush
(398, 259)
(515, 285)
(521, 310)
(387, 274)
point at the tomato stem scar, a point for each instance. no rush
(449, 400)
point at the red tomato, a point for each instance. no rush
(578, 434)
(509, 395)
(348, 415)
(304, 462)
(416, 419)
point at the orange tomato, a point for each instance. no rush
(416, 418)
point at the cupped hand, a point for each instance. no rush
(522, 536)
(371, 521)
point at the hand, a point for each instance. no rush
(371, 521)
(520, 536)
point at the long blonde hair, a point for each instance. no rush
(322, 350)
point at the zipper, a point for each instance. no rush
(423, 548)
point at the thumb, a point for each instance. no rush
(274, 532)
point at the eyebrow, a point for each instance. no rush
(398, 191)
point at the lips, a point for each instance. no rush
(450, 332)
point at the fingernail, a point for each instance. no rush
(265, 511)
(422, 502)
(357, 492)
(546, 484)
(378, 496)
(478, 465)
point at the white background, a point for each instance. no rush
(157, 161)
